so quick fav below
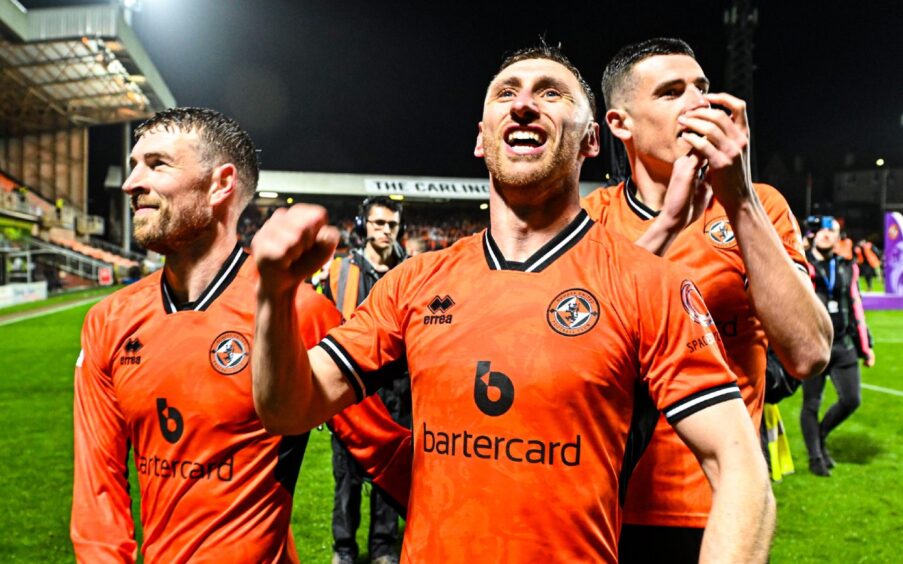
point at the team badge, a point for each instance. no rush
(720, 233)
(695, 306)
(573, 312)
(230, 353)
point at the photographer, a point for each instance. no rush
(836, 283)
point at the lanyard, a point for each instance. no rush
(830, 281)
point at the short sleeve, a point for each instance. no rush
(785, 223)
(369, 347)
(596, 203)
(316, 315)
(681, 354)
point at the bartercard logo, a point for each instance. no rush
(230, 353)
(171, 423)
(504, 448)
(493, 392)
(573, 312)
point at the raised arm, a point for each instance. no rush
(294, 389)
(796, 323)
(741, 521)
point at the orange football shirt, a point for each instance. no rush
(668, 487)
(534, 385)
(174, 385)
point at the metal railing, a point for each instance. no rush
(116, 249)
(63, 259)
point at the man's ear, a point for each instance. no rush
(619, 123)
(223, 183)
(478, 149)
(590, 145)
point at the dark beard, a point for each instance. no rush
(173, 231)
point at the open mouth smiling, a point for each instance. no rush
(525, 141)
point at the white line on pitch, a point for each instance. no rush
(882, 390)
(50, 310)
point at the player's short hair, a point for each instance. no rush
(616, 79)
(551, 53)
(222, 141)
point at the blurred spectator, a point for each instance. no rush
(868, 257)
(430, 227)
(844, 246)
(835, 280)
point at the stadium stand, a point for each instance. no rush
(64, 70)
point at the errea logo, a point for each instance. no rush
(439, 307)
(130, 351)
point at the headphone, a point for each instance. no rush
(360, 220)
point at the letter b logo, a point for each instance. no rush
(493, 392)
(170, 421)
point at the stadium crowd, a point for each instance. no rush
(426, 231)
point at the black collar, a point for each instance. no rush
(217, 286)
(546, 255)
(634, 203)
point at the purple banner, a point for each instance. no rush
(893, 253)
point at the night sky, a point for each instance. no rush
(397, 87)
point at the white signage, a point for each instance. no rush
(19, 293)
(433, 188)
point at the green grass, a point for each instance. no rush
(854, 516)
(877, 285)
(36, 450)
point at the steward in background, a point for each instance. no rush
(379, 226)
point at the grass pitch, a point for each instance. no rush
(854, 516)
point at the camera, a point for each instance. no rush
(815, 223)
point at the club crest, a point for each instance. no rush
(573, 312)
(720, 233)
(230, 353)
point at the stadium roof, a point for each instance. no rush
(64, 67)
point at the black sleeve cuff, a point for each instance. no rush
(346, 364)
(701, 400)
(363, 383)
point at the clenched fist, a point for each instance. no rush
(291, 246)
